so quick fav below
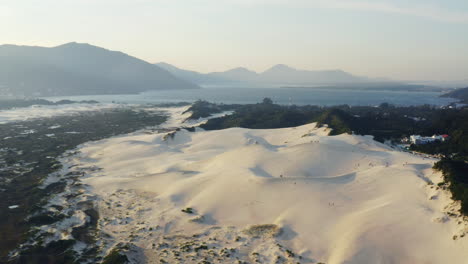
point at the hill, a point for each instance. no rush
(238, 74)
(284, 74)
(78, 69)
(191, 76)
(461, 94)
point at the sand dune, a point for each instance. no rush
(273, 196)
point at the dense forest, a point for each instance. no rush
(455, 173)
(386, 122)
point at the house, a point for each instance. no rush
(418, 140)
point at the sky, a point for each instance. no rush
(402, 40)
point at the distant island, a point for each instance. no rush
(78, 69)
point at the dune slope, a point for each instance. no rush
(272, 196)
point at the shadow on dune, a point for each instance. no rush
(257, 171)
(287, 233)
(251, 139)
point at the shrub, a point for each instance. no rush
(188, 210)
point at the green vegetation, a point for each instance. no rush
(453, 122)
(263, 230)
(115, 257)
(202, 109)
(290, 253)
(263, 115)
(188, 210)
(336, 119)
(201, 247)
(455, 173)
(56, 252)
(386, 122)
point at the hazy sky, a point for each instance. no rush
(400, 39)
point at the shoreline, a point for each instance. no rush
(60, 226)
(27, 158)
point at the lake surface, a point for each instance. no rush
(285, 96)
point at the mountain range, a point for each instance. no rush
(84, 69)
(278, 74)
(79, 69)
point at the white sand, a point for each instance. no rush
(333, 199)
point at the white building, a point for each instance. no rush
(418, 140)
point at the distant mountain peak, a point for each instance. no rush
(76, 45)
(80, 69)
(241, 70)
(167, 66)
(280, 68)
(73, 44)
(162, 63)
(70, 43)
(277, 74)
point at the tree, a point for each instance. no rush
(267, 100)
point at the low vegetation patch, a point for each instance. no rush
(266, 230)
(188, 210)
(456, 176)
(116, 256)
(201, 109)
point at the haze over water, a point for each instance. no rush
(284, 96)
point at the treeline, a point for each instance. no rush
(453, 122)
(386, 122)
(262, 115)
(200, 109)
(455, 173)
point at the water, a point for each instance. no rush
(285, 96)
(44, 111)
